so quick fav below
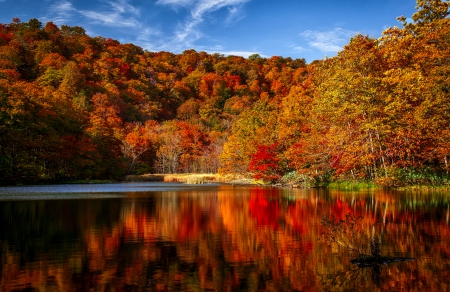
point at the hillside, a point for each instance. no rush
(81, 107)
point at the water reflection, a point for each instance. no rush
(353, 278)
(219, 238)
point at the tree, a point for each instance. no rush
(254, 127)
(350, 104)
(135, 144)
(427, 11)
(265, 164)
(105, 128)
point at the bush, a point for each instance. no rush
(351, 185)
(426, 176)
(295, 178)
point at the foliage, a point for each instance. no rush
(265, 164)
(401, 177)
(76, 107)
(351, 185)
(295, 178)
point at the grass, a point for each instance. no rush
(295, 180)
(351, 185)
(195, 178)
(203, 178)
(192, 178)
(189, 178)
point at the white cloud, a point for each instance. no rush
(189, 31)
(61, 12)
(328, 41)
(298, 49)
(110, 18)
(235, 14)
(123, 7)
(117, 14)
(207, 6)
(232, 10)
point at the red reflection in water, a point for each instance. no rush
(268, 241)
(297, 215)
(264, 207)
(341, 208)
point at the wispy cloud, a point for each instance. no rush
(189, 31)
(234, 15)
(61, 12)
(124, 7)
(328, 41)
(299, 49)
(116, 13)
(203, 7)
(110, 18)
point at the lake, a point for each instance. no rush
(176, 237)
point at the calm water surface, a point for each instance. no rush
(160, 236)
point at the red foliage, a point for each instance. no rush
(125, 69)
(263, 210)
(265, 163)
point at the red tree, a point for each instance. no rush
(265, 164)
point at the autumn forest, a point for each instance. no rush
(80, 107)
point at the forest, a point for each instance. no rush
(76, 107)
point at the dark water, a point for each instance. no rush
(159, 237)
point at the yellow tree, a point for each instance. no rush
(349, 107)
(416, 83)
(255, 126)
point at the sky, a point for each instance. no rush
(311, 30)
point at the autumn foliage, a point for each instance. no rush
(265, 164)
(81, 107)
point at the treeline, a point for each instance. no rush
(81, 107)
(78, 107)
(378, 111)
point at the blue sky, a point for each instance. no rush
(288, 28)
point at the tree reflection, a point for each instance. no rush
(264, 207)
(229, 238)
(352, 278)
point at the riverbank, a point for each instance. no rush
(190, 178)
(194, 178)
(198, 178)
(241, 180)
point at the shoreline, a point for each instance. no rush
(241, 180)
(195, 178)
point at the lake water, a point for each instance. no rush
(168, 236)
